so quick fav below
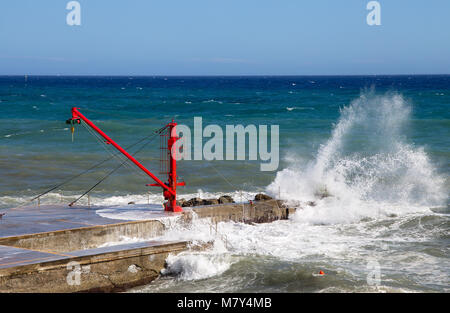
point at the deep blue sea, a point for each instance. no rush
(379, 145)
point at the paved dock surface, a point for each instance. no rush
(104, 269)
(12, 257)
(46, 218)
(15, 257)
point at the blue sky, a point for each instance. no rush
(224, 37)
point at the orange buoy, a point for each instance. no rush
(321, 272)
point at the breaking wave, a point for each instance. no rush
(201, 265)
(366, 169)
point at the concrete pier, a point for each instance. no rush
(103, 269)
(62, 249)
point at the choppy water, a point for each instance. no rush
(378, 145)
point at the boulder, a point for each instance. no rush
(186, 203)
(210, 201)
(261, 196)
(197, 201)
(226, 199)
(193, 202)
(200, 201)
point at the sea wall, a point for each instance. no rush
(255, 212)
(85, 237)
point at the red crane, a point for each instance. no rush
(168, 160)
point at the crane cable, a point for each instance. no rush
(94, 166)
(112, 172)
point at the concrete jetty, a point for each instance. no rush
(62, 249)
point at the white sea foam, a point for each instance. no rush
(189, 266)
(199, 265)
(343, 247)
(130, 212)
(212, 100)
(299, 108)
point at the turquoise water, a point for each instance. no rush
(378, 144)
(34, 136)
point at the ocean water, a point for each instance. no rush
(378, 145)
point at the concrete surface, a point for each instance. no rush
(57, 248)
(105, 269)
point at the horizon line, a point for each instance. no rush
(215, 75)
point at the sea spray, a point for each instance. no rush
(199, 265)
(367, 168)
(193, 265)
